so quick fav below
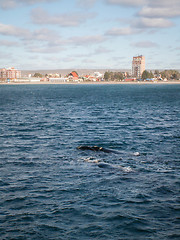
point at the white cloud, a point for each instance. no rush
(97, 51)
(87, 40)
(34, 1)
(163, 3)
(152, 23)
(149, 3)
(153, 14)
(41, 35)
(159, 12)
(68, 59)
(7, 43)
(118, 58)
(40, 16)
(145, 44)
(130, 3)
(102, 50)
(7, 4)
(122, 31)
(87, 3)
(12, 30)
(44, 49)
(45, 34)
(88, 61)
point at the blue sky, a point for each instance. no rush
(44, 34)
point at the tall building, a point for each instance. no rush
(138, 66)
(10, 73)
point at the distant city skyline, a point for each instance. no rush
(89, 34)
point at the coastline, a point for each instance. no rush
(86, 83)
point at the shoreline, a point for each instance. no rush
(87, 83)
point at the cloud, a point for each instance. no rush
(118, 58)
(163, 3)
(130, 3)
(87, 3)
(88, 61)
(40, 41)
(7, 4)
(7, 43)
(41, 35)
(160, 12)
(34, 1)
(97, 51)
(10, 30)
(45, 40)
(5, 55)
(40, 16)
(45, 34)
(148, 3)
(102, 50)
(145, 44)
(87, 40)
(122, 31)
(154, 14)
(152, 23)
(68, 59)
(82, 55)
(46, 49)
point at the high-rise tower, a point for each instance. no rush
(138, 66)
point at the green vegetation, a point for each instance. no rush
(170, 74)
(113, 76)
(166, 74)
(38, 75)
(147, 74)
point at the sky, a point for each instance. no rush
(101, 34)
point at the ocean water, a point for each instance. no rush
(51, 190)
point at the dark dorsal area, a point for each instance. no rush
(96, 149)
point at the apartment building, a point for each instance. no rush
(138, 66)
(10, 73)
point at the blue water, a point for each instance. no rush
(51, 190)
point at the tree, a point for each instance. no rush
(118, 76)
(156, 72)
(175, 76)
(151, 75)
(38, 75)
(113, 76)
(145, 74)
(107, 76)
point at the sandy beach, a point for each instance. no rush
(94, 83)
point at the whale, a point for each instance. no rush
(97, 149)
(105, 150)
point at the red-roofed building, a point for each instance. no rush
(73, 74)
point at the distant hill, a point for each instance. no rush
(64, 72)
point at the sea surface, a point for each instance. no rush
(49, 189)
